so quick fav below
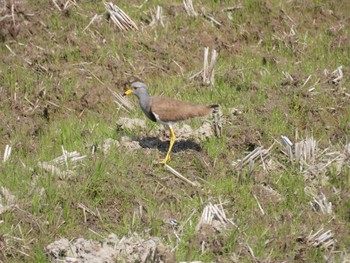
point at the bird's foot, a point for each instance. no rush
(167, 159)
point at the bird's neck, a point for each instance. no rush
(145, 102)
(144, 99)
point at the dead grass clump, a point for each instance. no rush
(63, 165)
(316, 163)
(111, 249)
(211, 229)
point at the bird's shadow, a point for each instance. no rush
(180, 145)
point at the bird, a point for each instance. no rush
(166, 111)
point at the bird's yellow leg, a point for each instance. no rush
(172, 141)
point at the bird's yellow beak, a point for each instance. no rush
(128, 92)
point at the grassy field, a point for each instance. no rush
(282, 69)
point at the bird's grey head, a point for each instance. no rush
(139, 89)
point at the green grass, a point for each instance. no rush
(56, 78)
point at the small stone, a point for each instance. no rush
(129, 144)
(131, 124)
(204, 132)
(108, 143)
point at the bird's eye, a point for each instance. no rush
(135, 88)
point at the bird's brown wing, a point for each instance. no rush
(176, 110)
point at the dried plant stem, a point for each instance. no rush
(158, 17)
(56, 5)
(212, 19)
(339, 73)
(122, 102)
(177, 174)
(8, 47)
(208, 68)
(120, 18)
(260, 207)
(258, 153)
(96, 16)
(7, 153)
(188, 5)
(217, 122)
